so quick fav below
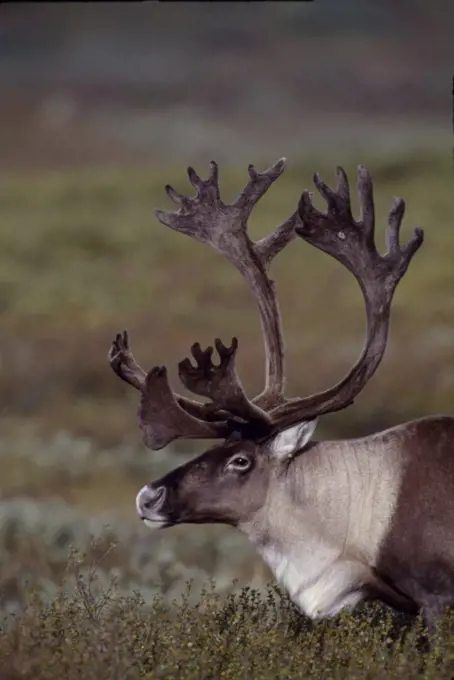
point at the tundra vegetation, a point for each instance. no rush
(85, 591)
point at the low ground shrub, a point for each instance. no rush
(90, 630)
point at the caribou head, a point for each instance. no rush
(337, 522)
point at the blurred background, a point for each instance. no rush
(103, 104)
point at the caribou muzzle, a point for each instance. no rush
(149, 502)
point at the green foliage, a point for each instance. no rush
(91, 632)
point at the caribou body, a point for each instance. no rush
(338, 522)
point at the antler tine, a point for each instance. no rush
(208, 219)
(272, 244)
(221, 383)
(352, 243)
(257, 186)
(122, 361)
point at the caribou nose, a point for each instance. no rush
(150, 498)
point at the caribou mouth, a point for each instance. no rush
(155, 522)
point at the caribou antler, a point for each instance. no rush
(352, 243)
(164, 415)
(207, 218)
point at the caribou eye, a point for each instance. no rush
(240, 463)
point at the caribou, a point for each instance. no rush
(338, 522)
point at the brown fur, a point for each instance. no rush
(203, 491)
(418, 554)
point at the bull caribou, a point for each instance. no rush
(338, 522)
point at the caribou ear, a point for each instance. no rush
(291, 441)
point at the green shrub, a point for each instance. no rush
(92, 631)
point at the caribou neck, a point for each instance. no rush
(321, 528)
